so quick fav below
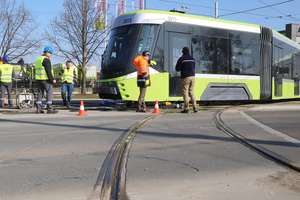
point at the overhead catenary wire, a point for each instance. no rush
(257, 8)
(284, 13)
(204, 6)
(222, 9)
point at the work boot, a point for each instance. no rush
(68, 104)
(51, 110)
(39, 110)
(185, 111)
(63, 95)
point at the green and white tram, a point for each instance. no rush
(234, 60)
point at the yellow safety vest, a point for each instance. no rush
(40, 72)
(6, 72)
(68, 75)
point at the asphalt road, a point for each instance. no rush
(175, 156)
(287, 122)
(55, 156)
(186, 157)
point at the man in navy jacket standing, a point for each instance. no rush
(186, 65)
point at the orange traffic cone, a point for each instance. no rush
(156, 108)
(82, 112)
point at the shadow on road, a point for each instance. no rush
(216, 138)
(63, 125)
(158, 134)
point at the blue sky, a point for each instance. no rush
(44, 11)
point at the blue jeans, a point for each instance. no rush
(5, 87)
(66, 93)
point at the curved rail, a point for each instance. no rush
(221, 125)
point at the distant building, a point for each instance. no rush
(292, 31)
(91, 72)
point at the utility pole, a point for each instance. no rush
(216, 8)
(141, 4)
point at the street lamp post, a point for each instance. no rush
(216, 8)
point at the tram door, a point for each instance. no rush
(176, 42)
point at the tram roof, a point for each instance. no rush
(160, 17)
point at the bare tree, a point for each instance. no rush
(75, 36)
(16, 30)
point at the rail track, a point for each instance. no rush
(111, 180)
(221, 125)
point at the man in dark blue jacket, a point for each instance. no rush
(186, 65)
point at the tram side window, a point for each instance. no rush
(277, 54)
(287, 62)
(203, 63)
(245, 53)
(211, 54)
(282, 59)
(296, 65)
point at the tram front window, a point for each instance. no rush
(126, 42)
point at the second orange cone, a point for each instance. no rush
(156, 108)
(82, 112)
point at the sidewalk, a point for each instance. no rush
(273, 142)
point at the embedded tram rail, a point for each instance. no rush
(270, 155)
(111, 180)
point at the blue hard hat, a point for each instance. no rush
(5, 59)
(48, 49)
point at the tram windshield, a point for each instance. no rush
(125, 43)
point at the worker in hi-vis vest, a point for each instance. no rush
(67, 79)
(6, 75)
(45, 80)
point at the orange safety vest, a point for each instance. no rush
(141, 65)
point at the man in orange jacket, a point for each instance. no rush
(141, 64)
